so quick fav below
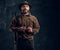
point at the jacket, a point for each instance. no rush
(25, 20)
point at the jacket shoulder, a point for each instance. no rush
(33, 17)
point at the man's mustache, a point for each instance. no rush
(24, 9)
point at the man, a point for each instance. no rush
(25, 26)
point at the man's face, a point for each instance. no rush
(25, 8)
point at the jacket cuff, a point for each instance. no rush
(35, 31)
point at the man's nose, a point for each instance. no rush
(24, 7)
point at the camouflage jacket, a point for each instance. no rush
(25, 20)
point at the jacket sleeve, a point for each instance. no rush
(36, 25)
(12, 25)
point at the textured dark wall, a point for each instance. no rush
(42, 9)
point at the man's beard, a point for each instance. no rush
(24, 11)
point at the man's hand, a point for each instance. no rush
(22, 28)
(29, 29)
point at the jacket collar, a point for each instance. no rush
(28, 14)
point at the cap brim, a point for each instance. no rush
(24, 4)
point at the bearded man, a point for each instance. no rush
(25, 25)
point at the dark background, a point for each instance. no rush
(44, 10)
